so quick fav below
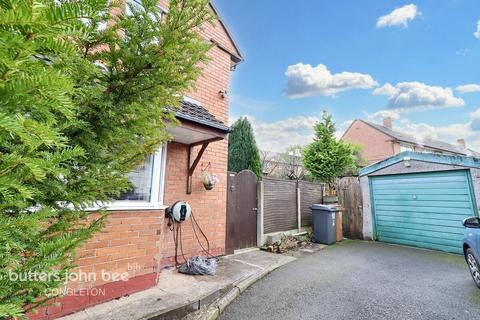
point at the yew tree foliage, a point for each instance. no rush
(243, 152)
(327, 158)
(83, 96)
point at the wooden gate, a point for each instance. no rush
(350, 197)
(241, 211)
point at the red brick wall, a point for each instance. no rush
(129, 246)
(376, 145)
(213, 31)
(139, 242)
(215, 78)
(130, 242)
(209, 207)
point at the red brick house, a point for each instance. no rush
(381, 141)
(136, 239)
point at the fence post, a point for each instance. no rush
(260, 213)
(299, 209)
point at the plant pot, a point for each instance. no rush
(330, 199)
(208, 186)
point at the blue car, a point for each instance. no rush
(471, 247)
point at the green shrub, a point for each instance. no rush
(242, 149)
(327, 158)
(83, 99)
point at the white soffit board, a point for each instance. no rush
(188, 135)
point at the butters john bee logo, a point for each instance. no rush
(89, 279)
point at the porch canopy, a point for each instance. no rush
(197, 127)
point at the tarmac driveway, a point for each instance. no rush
(363, 280)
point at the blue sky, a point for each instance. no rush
(357, 59)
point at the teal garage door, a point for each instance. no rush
(422, 209)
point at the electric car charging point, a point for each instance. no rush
(178, 213)
(177, 295)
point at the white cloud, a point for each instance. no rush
(415, 96)
(342, 128)
(462, 52)
(305, 80)
(475, 123)
(399, 17)
(386, 90)
(477, 33)
(475, 114)
(382, 114)
(468, 88)
(279, 135)
(449, 133)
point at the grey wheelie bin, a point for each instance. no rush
(323, 222)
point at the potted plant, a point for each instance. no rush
(327, 158)
(209, 180)
(330, 194)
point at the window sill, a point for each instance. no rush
(131, 206)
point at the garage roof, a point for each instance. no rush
(469, 162)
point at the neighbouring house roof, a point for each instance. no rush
(430, 143)
(469, 162)
(196, 113)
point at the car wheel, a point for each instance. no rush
(473, 266)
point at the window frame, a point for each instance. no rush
(405, 147)
(157, 196)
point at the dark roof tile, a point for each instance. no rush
(198, 114)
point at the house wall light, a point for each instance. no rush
(223, 93)
(406, 162)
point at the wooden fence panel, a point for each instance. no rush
(280, 205)
(350, 197)
(310, 193)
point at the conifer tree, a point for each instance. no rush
(84, 96)
(242, 149)
(327, 158)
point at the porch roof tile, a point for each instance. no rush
(198, 114)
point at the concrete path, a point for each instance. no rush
(177, 294)
(362, 280)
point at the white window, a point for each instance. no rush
(141, 179)
(148, 186)
(405, 148)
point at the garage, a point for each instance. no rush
(419, 200)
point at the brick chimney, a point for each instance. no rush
(387, 122)
(461, 143)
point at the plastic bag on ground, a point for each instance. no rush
(199, 266)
